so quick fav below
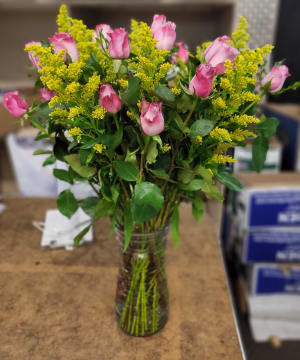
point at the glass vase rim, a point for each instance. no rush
(137, 235)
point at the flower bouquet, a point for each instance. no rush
(146, 123)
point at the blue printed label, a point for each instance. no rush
(274, 208)
(273, 246)
(274, 281)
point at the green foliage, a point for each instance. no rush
(131, 95)
(197, 208)
(85, 171)
(229, 181)
(201, 128)
(175, 226)
(63, 175)
(164, 93)
(260, 148)
(126, 170)
(146, 202)
(67, 204)
(88, 205)
(128, 224)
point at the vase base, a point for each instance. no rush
(138, 332)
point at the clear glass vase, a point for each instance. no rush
(142, 297)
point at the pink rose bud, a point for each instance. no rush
(34, 59)
(64, 41)
(277, 76)
(218, 52)
(165, 35)
(158, 21)
(182, 53)
(109, 99)
(106, 30)
(119, 47)
(46, 94)
(152, 119)
(201, 83)
(14, 104)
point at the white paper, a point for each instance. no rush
(60, 231)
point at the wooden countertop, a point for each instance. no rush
(59, 305)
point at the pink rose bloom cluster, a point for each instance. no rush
(118, 42)
(277, 76)
(151, 118)
(215, 55)
(182, 53)
(109, 99)
(64, 41)
(164, 32)
(14, 104)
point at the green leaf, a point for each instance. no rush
(201, 127)
(205, 173)
(146, 202)
(63, 175)
(268, 127)
(260, 148)
(88, 205)
(185, 176)
(229, 181)
(128, 224)
(212, 192)
(91, 143)
(194, 185)
(67, 204)
(43, 110)
(197, 208)
(161, 174)
(104, 208)
(175, 226)
(50, 160)
(42, 152)
(112, 141)
(152, 152)
(82, 233)
(131, 95)
(72, 145)
(126, 170)
(164, 93)
(74, 161)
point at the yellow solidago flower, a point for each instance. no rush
(99, 113)
(220, 134)
(59, 114)
(63, 21)
(99, 148)
(222, 159)
(123, 83)
(219, 103)
(92, 86)
(74, 71)
(166, 148)
(76, 132)
(74, 111)
(175, 90)
(244, 119)
(240, 36)
(241, 134)
(54, 101)
(199, 139)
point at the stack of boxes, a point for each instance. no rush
(265, 236)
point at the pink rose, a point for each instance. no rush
(182, 53)
(14, 104)
(64, 41)
(218, 52)
(106, 31)
(109, 99)
(34, 59)
(201, 83)
(152, 119)
(277, 76)
(158, 21)
(119, 46)
(46, 94)
(165, 34)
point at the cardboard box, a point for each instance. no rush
(271, 279)
(267, 200)
(268, 245)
